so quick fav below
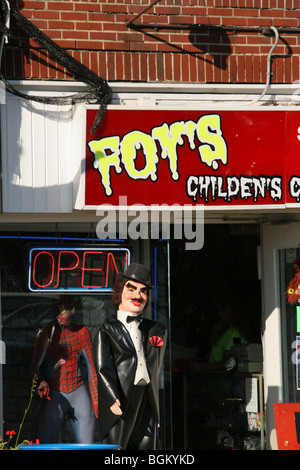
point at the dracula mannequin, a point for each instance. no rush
(58, 350)
(129, 350)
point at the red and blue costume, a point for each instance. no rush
(59, 349)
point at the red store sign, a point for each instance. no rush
(213, 158)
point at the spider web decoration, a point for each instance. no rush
(99, 91)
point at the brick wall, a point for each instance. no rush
(95, 33)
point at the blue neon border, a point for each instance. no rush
(104, 290)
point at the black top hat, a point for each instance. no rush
(138, 273)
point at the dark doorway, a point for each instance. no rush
(226, 268)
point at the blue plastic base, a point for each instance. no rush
(70, 447)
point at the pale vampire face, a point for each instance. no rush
(134, 297)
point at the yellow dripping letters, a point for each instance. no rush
(215, 147)
(103, 160)
(169, 138)
(161, 143)
(129, 146)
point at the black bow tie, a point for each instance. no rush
(131, 318)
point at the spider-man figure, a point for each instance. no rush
(58, 350)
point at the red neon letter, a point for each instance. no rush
(110, 262)
(68, 268)
(51, 272)
(84, 269)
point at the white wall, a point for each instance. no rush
(42, 150)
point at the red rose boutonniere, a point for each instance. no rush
(156, 341)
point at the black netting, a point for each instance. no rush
(99, 92)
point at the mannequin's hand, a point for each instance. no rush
(116, 408)
(43, 390)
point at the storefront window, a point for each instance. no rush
(25, 309)
(24, 312)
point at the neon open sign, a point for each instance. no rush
(75, 269)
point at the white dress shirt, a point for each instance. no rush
(141, 375)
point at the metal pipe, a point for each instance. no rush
(269, 71)
(128, 23)
(191, 27)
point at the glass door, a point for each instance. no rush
(290, 318)
(2, 361)
(162, 312)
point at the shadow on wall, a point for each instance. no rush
(211, 41)
(214, 41)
